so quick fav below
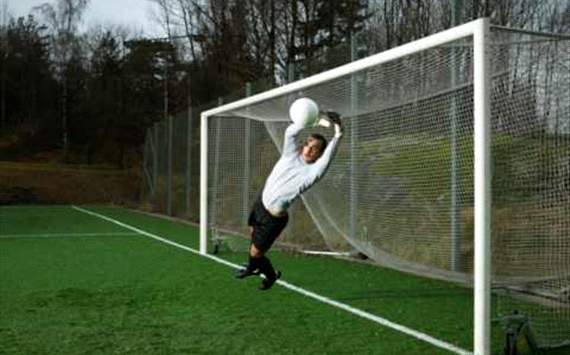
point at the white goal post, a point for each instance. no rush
(477, 31)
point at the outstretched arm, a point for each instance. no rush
(321, 165)
(290, 139)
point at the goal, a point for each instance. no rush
(454, 165)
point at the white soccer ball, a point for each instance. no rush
(304, 112)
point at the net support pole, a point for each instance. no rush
(482, 191)
(455, 202)
(455, 261)
(203, 183)
(353, 138)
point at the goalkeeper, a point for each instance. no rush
(296, 171)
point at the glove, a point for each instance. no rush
(328, 118)
(323, 122)
(334, 118)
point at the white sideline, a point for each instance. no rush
(421, 336)
(63, 235)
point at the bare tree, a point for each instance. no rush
(63, 19)
(189, 15)
(4, 55)
(165, 14)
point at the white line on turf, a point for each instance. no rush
(63, 235)
(414, 333)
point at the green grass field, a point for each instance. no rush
(74, 283)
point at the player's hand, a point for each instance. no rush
(327, 118)
(334, 118)
(324, 122)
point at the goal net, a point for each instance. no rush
(401, 187)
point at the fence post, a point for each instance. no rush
(247, 152)
(189, 142)
(169, 167)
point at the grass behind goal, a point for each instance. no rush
(72, 283)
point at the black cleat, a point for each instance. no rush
(268, 282)
(245, 272)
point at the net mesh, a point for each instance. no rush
(400, 189)
(531, 181)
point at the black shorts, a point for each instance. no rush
(266, 228)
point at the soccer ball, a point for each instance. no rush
(304, 112)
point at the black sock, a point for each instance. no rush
(254, 263)
(266, 267)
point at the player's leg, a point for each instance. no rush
(254, 220)
(273, 228)
(258, 262)
(271, 275)
(263, 237)
(265, 229)
(252, 267)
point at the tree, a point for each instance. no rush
(63, 19)
(146, 91)
(27, 83)
(103, 104)
(337, 20)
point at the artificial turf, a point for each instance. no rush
(72, 283)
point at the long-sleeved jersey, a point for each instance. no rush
(291, 176)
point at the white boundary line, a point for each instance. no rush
(62, 235)
(411, 332)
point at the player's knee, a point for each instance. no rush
(254, 252)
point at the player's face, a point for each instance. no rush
(312, 150)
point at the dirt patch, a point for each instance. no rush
(24, 183)
(17, 196)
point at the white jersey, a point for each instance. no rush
(291, 176)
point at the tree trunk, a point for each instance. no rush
(64, 134)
